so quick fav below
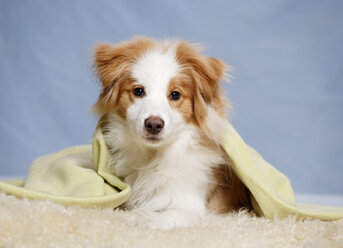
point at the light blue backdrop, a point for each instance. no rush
(287, 88)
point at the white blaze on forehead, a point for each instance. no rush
(155, 69)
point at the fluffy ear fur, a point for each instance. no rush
(210, 71)
(112, 64)
(206, 73)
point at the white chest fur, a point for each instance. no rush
(174, 177)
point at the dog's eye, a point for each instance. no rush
(138, 92)
(175, 95)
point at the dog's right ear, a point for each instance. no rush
(110, 61)
(112, 64)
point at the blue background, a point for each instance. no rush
(286, 92)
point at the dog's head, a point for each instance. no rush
(159, 88)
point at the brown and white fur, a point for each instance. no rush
(162, 115)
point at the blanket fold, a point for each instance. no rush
(271, 190)
(77, 175)
(81, 176)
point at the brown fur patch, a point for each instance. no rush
(113, 64)
(205, 74)
(184, 105)
(227, 192)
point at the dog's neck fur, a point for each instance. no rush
(159, 175)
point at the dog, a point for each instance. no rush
(163, 112)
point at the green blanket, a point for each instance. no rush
(68, 177)
(65, 177)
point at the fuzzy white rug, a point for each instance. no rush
(26, 223)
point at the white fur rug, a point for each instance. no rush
(26, 223)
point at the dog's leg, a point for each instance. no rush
(227, 192)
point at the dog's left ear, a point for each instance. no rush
(210, 72)
(207, 74)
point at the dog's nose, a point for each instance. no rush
(154, 124)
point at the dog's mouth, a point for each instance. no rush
(152, 139)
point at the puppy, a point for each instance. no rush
(162, 115)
